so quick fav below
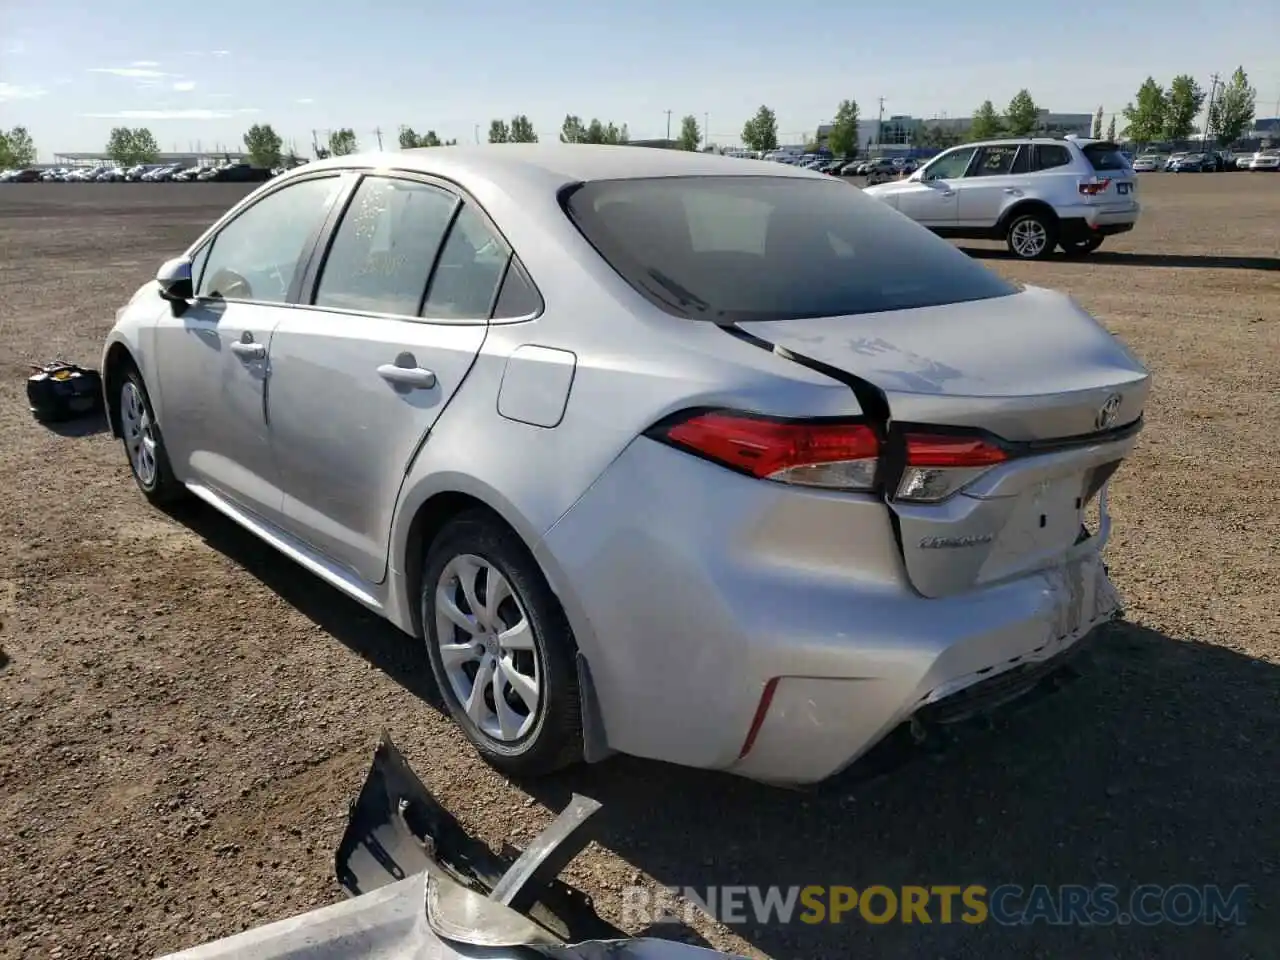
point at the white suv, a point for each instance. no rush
(1034, 194)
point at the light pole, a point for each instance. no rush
(668, 124)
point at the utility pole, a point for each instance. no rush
(706, 129)
(879, 123)
(378, 132)
(1208, 117)
(477, 132)
(315, 144)
(668, 124)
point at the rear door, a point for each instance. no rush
(389, 325)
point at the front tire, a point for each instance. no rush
(501, 648)
(1031, 236)
(144, 444)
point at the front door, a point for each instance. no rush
(993, 183)
(930, 198)
(213, 361)
(361, 373)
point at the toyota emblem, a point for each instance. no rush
(1108, 412)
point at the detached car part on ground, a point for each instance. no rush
(424, 890)
(707, 460)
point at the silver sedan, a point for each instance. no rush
(709, 460)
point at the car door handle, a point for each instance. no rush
(249, 350)
(1013, 191)
(414, 377)
(947, 193)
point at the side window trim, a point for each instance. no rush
(435, 263)
(205, 244)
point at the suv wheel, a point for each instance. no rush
(1031, 236)
(1080, 248)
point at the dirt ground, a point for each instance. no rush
(184, 715)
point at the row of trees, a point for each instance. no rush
(17, 149)
(1169, 113)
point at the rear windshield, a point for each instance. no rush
(771, 248)
(1106, 156)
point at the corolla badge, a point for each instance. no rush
(1108, 412)
(951, 543)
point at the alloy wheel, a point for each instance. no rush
(487, 648)
(1028, 238)
(139, 434)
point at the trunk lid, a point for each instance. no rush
(1114, 186)
(1032, 370)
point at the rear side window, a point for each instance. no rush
(1049, 156)
(469, 269)
(1106, 156)
(771, 248)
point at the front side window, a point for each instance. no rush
(256, 255)
(384, 248)
(739, 248)
(949, 166)
(995, 161)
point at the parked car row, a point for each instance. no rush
(143, 173)
(1214, 161)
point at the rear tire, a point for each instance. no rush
(144, 444)
(1080, 248)
(1031, 235)
(518, 649)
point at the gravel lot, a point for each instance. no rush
(184, 715)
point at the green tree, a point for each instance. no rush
(1182, 104)
(263, 145)
(17, 149)
(986, 123)
(572, 130)
(1235, 108)
(521, 130)
(1111, 129)
(1022, 116)
(937, 137)
(129, 146)
(843, 138)
(690, 133)
(429, 139)
(499, 132)
(760, 133)
(1145, 116)
(343, 142)
(1097, 124)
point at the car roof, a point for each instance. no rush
(542, 165)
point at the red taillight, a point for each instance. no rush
(1095, 188)
(818, 453)
(939, 465)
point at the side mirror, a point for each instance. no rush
(174, 278)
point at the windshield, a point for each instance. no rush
(771, 248)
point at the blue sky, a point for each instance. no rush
(202, 73)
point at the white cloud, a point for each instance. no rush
(184, 86)
(171, 114)
(305, 100)
(13, 91)
(134, 72)
(220, 53)
(63, 81)
(15, 48)
(144, 63)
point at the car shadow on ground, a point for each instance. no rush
(1159, 765)
(1118, 258)
(80, 427)
(359, 629)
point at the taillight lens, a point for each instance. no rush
(838, 455)
(1095, 188)
(939, 465)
